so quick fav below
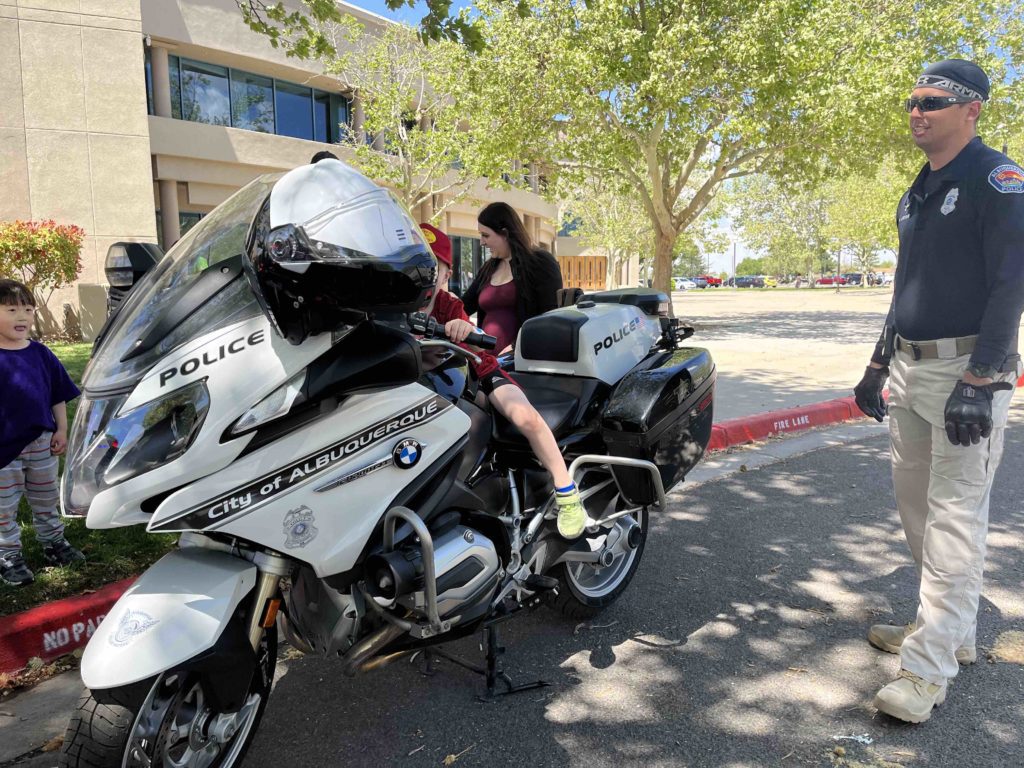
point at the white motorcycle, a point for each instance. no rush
(261, 393)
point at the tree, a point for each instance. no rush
(300, 32)
(750, 266)
(415, 100)
(675, 98)
(420, 133)
(610, 218)
(862, 215)
(44, 255)
(789, 226)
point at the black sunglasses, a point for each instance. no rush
(933, 103)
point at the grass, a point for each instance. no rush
(111, 554)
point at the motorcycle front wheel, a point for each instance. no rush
(167, 721)
(586, 589)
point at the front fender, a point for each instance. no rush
(176, 610)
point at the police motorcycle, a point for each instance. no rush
(261, 395)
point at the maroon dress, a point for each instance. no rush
(499, 304)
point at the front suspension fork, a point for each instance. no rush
(272, 568)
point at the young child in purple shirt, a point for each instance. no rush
(33, 433)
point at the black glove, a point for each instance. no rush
(968, 413)
(868, 393)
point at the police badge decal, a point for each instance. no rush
(949, 204)
(299, 528)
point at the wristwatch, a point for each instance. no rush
(981, 371)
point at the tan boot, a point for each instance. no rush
(909, 698)
(889, 638)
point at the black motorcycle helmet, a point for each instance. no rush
(329, 246)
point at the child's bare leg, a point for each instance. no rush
(510, 401)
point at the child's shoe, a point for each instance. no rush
(13, 570)
(572, 517)
(60, 552)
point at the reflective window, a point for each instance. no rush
(205, 96)
(174, 67)
(294, 111)
(207, 93)
(149, 83)
(466, 261)
(321, 116)
(186, 220)
(252, 102)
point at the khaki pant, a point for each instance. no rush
(942, 493)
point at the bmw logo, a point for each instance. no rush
(406, 454)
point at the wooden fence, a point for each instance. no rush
(587, 272)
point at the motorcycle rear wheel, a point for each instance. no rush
(584, 590)
(165, 721)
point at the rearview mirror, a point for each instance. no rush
(125, 265)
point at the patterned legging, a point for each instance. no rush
(34, 474)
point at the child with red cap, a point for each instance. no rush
(502, 392)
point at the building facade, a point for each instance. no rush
(135, 118)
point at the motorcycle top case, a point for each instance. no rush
(597, 341)
(650, 302)
(662, 415)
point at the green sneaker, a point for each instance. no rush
(572, 517)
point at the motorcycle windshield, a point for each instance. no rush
(201, 273)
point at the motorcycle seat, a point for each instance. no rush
(558, 409)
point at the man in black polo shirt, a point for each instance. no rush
(950, 345)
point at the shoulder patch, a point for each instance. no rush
(1008, 179)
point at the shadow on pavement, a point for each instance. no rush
(739, 643)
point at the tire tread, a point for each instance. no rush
(99, 726)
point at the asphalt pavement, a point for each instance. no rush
(740, 643)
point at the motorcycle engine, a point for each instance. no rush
(466, 567)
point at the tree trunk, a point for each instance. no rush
(663, 245)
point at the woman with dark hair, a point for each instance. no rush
(518, 282)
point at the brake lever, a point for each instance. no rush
(450, 347)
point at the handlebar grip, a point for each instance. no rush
(482, 340)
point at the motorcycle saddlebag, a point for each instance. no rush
(662, 415)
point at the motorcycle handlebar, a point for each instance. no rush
(426, 326)
(482, 340)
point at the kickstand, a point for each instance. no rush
(493, 672)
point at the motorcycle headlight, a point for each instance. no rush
(108, 447)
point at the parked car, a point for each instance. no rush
(700, 281)
(830, 280)
(770, 282)
(855, 278)
(746, 281)
(684, 284)
(712, 281)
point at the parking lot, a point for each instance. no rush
(740, 644)
(777, 348)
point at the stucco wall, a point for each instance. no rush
(74, 139)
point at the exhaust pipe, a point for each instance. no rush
(368, 646)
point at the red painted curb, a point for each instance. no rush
(62, 626)
(54, 629)
(748, 429)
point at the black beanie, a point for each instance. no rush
(956, 76)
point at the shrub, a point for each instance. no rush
(44, 255)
